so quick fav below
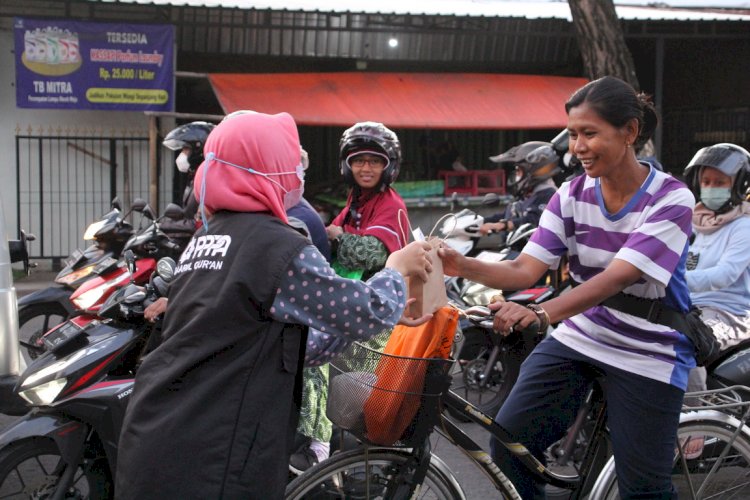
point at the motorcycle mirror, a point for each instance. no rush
(138, 205)
(174, 212)
(491, 199)
(149, 212)
(560, 142)
(19, 251)
(165, 267)
(161, 286)
(130, 262)
(116, 203)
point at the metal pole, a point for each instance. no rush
(153, 170)
(112, 170)
(9, 354)
(658, 94)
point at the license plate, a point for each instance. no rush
(75, 256)
(62, 336)
(105, 265)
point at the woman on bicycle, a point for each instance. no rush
(625, 227)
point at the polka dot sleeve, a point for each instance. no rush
(337, 310)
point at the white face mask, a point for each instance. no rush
(291, 197)
(182, 162)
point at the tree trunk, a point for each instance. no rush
(601, 40)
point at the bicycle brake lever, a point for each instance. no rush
(481, 316)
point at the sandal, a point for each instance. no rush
(692, 447)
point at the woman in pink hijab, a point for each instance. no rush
(213, 409)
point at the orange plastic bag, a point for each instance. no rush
(396, 395)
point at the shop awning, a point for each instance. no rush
(403, 100)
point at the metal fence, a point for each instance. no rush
(64, 183)
(689, 129)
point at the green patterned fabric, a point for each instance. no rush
(313, 422)
(361, 252)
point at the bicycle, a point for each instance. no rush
(406, 468)
(722, 469)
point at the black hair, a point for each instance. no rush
(617, 102)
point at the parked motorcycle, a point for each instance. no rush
(77, 391)
(109, 235)
(42, 310)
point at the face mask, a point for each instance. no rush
(715, 198)
(291, 197)
(182, 162)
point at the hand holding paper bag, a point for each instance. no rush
(413, 261)
(429, 294)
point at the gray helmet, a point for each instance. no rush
(372, 136)
(535, 162)
(727, 158)
(192, 135)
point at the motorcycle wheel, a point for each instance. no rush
(33, 322)
(32, 469)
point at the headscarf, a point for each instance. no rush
(265, 144)
(707, 221)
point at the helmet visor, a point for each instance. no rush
(728, 161)
(175, 144)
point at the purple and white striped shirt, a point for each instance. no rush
(651, 232)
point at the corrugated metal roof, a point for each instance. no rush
(470, 8)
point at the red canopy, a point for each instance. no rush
(403, 100)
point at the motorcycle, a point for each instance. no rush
(46, 307)
(78, 390)
(109, 235)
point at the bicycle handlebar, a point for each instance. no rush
(484, 317)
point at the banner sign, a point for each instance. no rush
(82, 65)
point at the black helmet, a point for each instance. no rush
(729, 159)
(192, 135)
(535, 162)
(371, 136)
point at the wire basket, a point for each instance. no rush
(384, 399)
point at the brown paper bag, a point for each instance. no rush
(431, 294)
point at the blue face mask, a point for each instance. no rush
(715, 198)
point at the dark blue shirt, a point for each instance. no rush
(307, 214)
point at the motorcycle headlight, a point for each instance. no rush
(93, 228)
(89, 298)
(44, 394)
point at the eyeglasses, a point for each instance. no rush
(375, 162)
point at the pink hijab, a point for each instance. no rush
(267, 144)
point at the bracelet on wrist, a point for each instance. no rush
(542, 315)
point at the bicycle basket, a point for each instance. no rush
(384, 399)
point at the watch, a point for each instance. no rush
(542, 315)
